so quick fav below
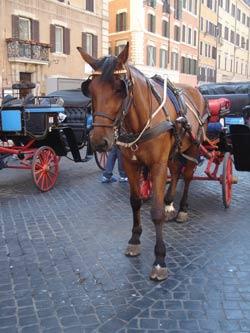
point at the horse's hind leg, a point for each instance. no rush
(133, 173)
(175, 169)
(158, 174)
(182, 215)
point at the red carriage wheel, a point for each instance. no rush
(227, 179)
(45, 168)
(101, 159)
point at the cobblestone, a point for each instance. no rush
(63, 267)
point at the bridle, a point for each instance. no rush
(117, 121)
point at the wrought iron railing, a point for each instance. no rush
(29, 50)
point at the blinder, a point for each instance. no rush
(85, 88)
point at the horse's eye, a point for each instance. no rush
(120, 89)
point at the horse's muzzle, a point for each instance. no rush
(100, 146)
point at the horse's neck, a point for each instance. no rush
(140, 109)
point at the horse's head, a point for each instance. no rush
(108, 88)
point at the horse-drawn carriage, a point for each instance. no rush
(37, 131)
(134, 112)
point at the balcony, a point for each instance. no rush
(27, 51)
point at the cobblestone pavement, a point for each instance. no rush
(63, 267)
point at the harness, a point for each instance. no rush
(131, 140)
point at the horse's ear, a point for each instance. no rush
(123, 56)
(86, 57)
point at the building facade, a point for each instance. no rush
(233, 41)
(38, 39)
(163, 36)
(207, 53)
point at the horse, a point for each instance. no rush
(128, 110)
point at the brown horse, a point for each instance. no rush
(127, 111)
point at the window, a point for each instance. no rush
(225, 63)
(201, 23)
(59, 39)
(174, 61)
(219, 61)
(205, 50)
(238, 14)
(201, 48)
(151, 23)
(232, 36)
(237, 39)
(214, 52)
(226, 32)
(190, 5)
(163, 58)
(195, 6)
(121, 21)
(189, 36)
(209, 4)
(243, 18)
(166, 6)
(176, 33)
(219, 29)
(231, 65)
(227, 5)
(184, 4)
(90, 5)
(177, 9)
(24, 28)
(243, 44)
(165, 28)
(184, 33)
(151, 3)
(188, 66)
(90, 43)
(233, 10)
(248, 22)
(247, 44)
(195, 37)
(151, 55)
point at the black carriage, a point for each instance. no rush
(40, 130)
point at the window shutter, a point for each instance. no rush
(84, 42)
(15, 26)
(148, 55)
(95, 46)
(117, 22)
(35, 30)
(125, 22)
(52, 38)
(66, 41)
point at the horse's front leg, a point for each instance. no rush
(159, 175)
(133, 172)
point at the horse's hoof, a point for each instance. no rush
(181, 217)
(133, 250)
(159, 273)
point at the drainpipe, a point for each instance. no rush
(216, 41)
(235, 23)
(198, 55)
